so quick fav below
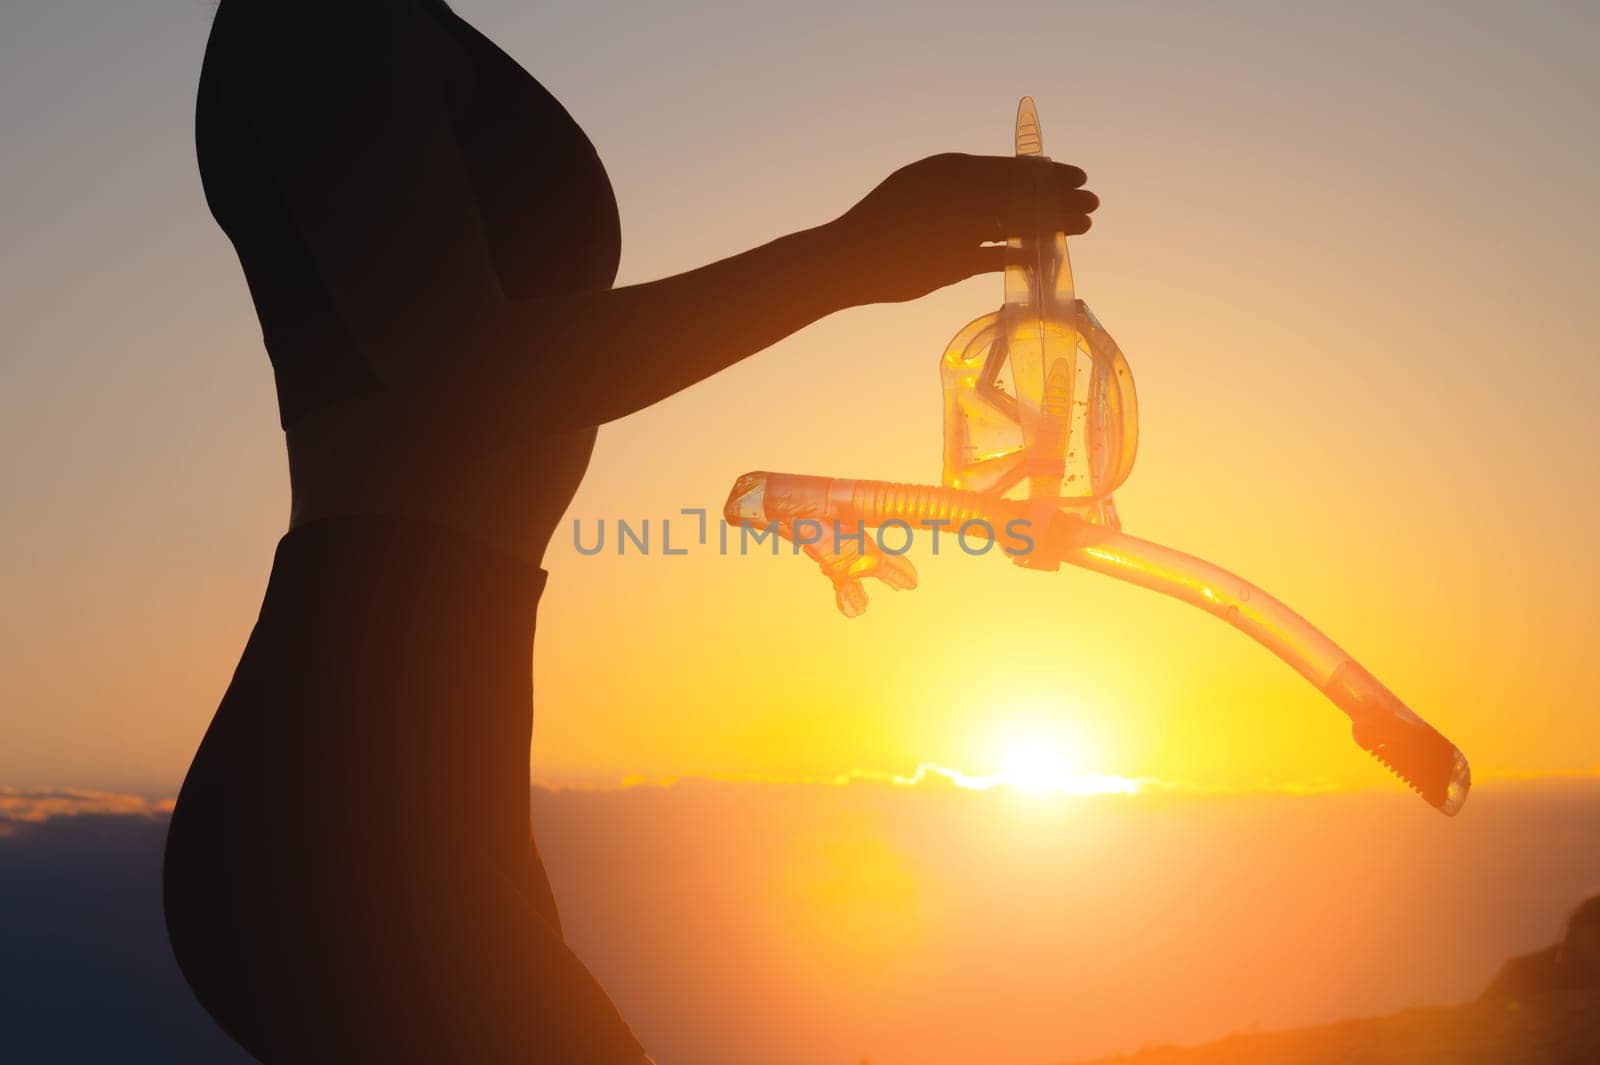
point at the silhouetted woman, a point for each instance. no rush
(430, 241)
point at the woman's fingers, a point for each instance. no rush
(1076, 206)
(1079, 201)
(995, 172)
(990, 179)
(985, 186)
(925, 225)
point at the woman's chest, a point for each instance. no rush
(549, 212)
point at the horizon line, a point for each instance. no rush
(19, 805)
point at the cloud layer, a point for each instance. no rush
(41, 804)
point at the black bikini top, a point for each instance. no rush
(549, 214)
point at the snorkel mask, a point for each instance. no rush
(1040, 428)
(1038, 399)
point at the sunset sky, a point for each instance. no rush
(1348, 249)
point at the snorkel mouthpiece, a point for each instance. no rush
(1412, 749)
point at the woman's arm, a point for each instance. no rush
(626, 348)
(353, 113)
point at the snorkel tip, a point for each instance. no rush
(1029, 136)
(1408, 746)
(747, 502)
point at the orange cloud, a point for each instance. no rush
(43, 804)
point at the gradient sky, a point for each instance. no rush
(1347, 248)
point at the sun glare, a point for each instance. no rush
(1047, 761)
(1037, 754)
(1036, 769)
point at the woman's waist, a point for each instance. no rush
(402, 557)
(506, 487)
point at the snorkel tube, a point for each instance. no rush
(1040, 428)
(817, 513)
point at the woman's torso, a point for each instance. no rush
(551, 224)
(349, 870)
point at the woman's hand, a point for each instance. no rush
(926, 225)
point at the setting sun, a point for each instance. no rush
(1036, 768)
(1042, 764)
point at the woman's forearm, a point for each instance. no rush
(594, 357)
